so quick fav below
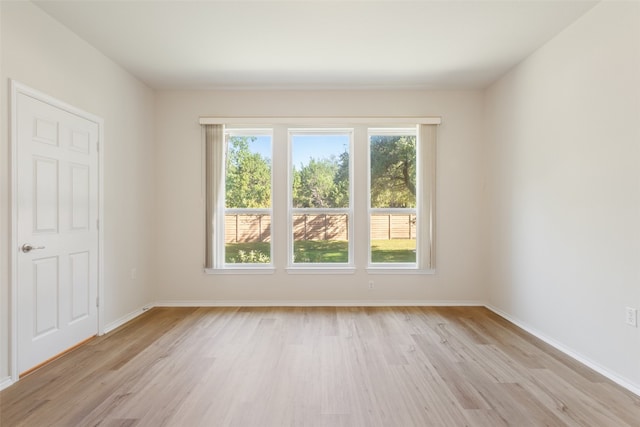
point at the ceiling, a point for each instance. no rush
(317, 44)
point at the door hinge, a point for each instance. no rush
(97, 301)
(98, 146)
(98, 224)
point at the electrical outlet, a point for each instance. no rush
(370, 284)
(631, 316)
(134, 273)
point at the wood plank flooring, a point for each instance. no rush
(317, 366)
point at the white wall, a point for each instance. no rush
(180, 224)
(563, 154)
(39, 52)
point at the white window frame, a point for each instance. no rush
(425, 188)
(220, 265)
(319, 268)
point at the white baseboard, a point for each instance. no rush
(126, 318)
(315, 303)
(5, 382)
(634, 388)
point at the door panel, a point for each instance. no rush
(80, 198)
(45, 296)
(80, 285)
(45, 188)
(80, 141)
(46, 131)
(57, 207)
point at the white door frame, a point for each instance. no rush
(16, 89)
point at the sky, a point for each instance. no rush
(305, 147)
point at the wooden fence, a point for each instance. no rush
(247, 228)
(320, 227)
(387, 226)
(257, 228)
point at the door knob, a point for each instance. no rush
(27, 247)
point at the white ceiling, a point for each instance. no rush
(317, 44)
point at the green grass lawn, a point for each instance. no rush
(329, 251)
(396, 250)
(320, 251)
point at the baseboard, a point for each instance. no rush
(316, 303)
(126, 318)
(5, 382)
(634, 388)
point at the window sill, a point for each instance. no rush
(396, 270)
(236, 270)
(321, 270)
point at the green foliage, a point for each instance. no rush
(252, 257)
(248, 176)
(340, 194)
(322, 183)
(232, 251)
(393, 171)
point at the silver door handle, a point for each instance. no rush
(26, 248)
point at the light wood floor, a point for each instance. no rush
(405, 366)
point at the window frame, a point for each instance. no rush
(281, 190)
(425, 202)
(391, 131)
(326, 267)
(219, 255)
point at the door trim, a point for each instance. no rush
(17, 89)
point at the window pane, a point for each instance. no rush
(393, 194)
(248, 172)
(320, 238)
(248, 192)
(393, 238)
(320, 183)
(320, 170)
(393, 171)
(247, 238)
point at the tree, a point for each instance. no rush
(322, 183)
(314, 184)
(248, 176)
(393, 171)
(340, 194)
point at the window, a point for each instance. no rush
(402, 198)
(330, 199)
(392, 196)
(247, 214)
(320, 197)
(238, 197)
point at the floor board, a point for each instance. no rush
(317, 366)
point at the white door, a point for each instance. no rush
(57, 230)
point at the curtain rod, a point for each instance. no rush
(404, 120)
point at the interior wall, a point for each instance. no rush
(179, 206)
(39, 52)
(563, 152)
